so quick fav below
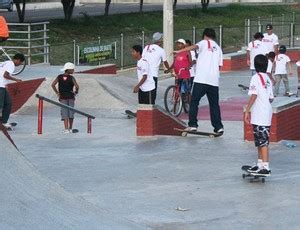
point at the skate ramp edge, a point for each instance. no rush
(91, 96)
(32, 201)
(153, 120)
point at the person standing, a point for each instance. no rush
(270, 39)
(155, 54)
(66, 94)
(206, 82)
(146, 85)
(261, 97)
(254, 48)
(6, 70)
(193, 63)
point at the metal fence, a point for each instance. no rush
(231, 39)
(31, 39)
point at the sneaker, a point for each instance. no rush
(253, 169)
(7, 125)
(220, 131)
(66, 131)
(262, 172)
(192, 129)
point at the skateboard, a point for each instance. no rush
(243, 87)
(252, 177)
(12, 124)
(130, 114)
(184, 133)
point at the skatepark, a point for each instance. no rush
(113, 179)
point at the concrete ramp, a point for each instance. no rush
(32, 201)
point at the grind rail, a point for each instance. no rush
(41, 108)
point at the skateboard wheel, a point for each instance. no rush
(263, 180)
(211, 136)
(244, 176)
(184, 134)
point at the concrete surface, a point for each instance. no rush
(147, 180)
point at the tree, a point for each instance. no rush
(107, 4)
(68, 6)
(204, 4)
(141, 6)
(20, 10)
(174, 4)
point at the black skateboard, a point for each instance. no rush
(12, 124)
(184, 133)
(130, 114)
(243, 87)
(253, 177)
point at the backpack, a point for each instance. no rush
(4, 34)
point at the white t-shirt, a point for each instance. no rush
(154, 54)
(7, 66)
(261, 111)
(270, 41)
(193, 68)
(280, 64)
(143, 69)
(256, 47)
(210, 58)
(270, 66)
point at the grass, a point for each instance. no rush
(109, 28)
(90, 28)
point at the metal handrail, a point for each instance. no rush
(40, 112)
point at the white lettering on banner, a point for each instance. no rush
(96, 49)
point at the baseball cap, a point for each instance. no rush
(181, 41)
(157, 36)
(269, 27)
(68, 65)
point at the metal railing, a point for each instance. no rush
(31, 39)
(41, 109)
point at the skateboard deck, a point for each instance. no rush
(243, 87)
(184, 133)
(12, 124)
(74, 131)
(253, 177)
(130, 114)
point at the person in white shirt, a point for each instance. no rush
(146, 85)
(270, 39)
(155, 54)
(261, 97)
(254, 48)
(282, 61)
(270, 69)
(6, 70)
(206, 82)
(194, 61)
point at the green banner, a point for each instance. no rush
(96, 53)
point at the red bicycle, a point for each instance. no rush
(178, 96)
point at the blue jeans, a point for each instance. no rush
(212, 93)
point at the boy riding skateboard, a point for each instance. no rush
(261, 96)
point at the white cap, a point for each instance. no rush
(157, 36)
(181, 41)
(68, 65)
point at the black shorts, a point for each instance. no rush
(261, 135)
(146, 97)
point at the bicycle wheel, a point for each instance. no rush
(11, 53)
(173, 101)
(185, 102)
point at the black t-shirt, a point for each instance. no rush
(65, 86)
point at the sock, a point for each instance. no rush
(260, 163)
(266, 165)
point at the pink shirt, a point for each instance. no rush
(182, 61)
